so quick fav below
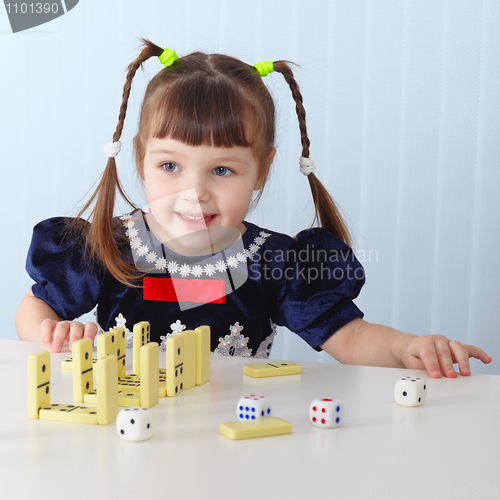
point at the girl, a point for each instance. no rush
(204, 147)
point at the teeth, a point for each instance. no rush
(191, 217)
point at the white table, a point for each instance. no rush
(448, 448)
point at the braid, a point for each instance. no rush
(326, 211)
(149, 50)
(100, 235)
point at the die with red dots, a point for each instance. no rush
(326, 413)
(410, 391)
(253, 407)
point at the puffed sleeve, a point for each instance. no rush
(64, 277)
(321, 278)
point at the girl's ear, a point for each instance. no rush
(261, 179)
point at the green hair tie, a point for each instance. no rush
(264, 67)
(168, 57)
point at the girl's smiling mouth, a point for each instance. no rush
(196, 220)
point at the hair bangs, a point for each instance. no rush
(205, 111)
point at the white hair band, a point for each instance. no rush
(112, 148)
(306, 165)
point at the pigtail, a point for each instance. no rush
(101, 235)
(327, 214)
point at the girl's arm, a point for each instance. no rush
(362, 343)
(37, 321)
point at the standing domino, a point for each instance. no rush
(107, 389)
(410, 391)
(150, 380)
(121, 351)
(141, 337)
(38, 382)
(326, 413)
(253, 407)
(106, 344)
(83, 371)
(190, 351)
(175, 365)
(202, 354)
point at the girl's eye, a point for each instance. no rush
(170, 167)
(222, 171)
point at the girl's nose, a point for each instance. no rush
(196, 194)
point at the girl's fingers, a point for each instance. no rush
(90, 331)
(54, 333)
(460, 356)
(75, 332)
(61, 332)
(47, 331)
(476, 352)
(437, 354)
(443, 351)
(425, 350)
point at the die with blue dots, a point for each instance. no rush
(326, 413)
(253, 407)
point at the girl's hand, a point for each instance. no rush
(437, 354)
(54, 333)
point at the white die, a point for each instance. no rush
(326, 413)
(410, 391)
(253, 407)
(135, 424)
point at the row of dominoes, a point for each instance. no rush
(187, 353)
(187, 361)
(39, 405)
(106, 396)
(188, 364)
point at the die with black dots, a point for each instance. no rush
(410, 391)
(253, 407)
(135, 424)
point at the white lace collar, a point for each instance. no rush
(151, 253)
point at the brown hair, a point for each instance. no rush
(208, 99)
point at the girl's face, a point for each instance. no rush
(192, 188)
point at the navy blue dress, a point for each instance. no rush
(306, 283)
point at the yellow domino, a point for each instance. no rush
(142, 335)
(121, 351)
(107, 389)
(106, 344)
(70, 413)
(125, 399)
(67, 364)
(150, 380)
(202, 355)
(38, 382)
(132, 383)
(175, 365)
(129, 399)
(189, 337)
(271, 369)
(261, 427)
(83, 373)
